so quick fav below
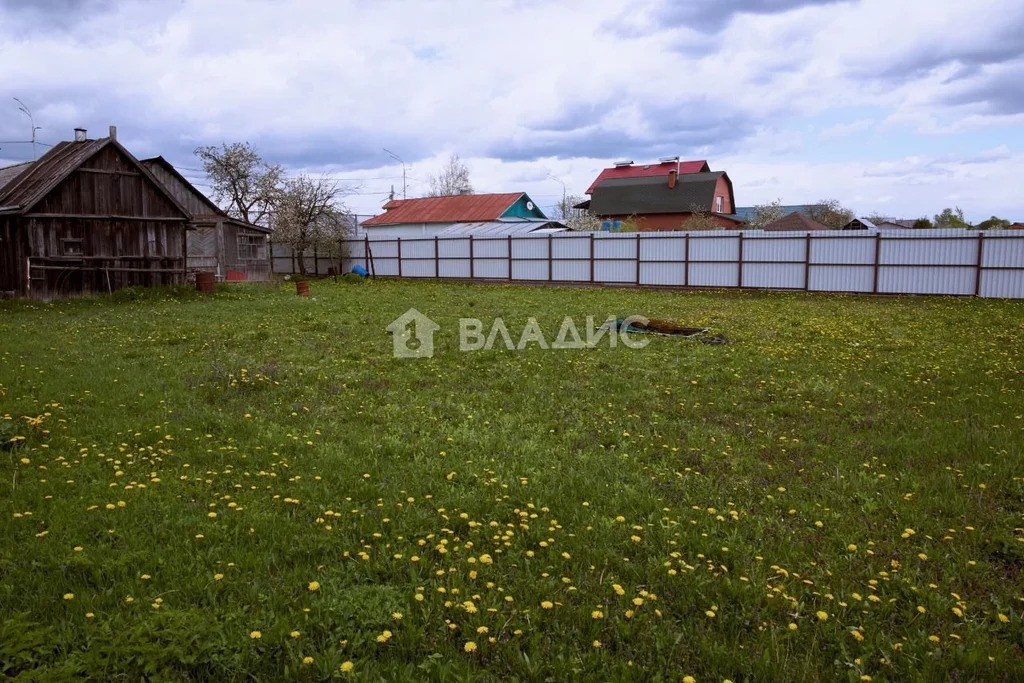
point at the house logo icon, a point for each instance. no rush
(412, 335)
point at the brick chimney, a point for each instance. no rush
(672, 175)
(113, 133)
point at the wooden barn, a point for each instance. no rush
(231, 248)
(87, 217)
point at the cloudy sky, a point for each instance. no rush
(899, 107)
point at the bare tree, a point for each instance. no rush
(830, 213)
(452, 180)
(241, 180)
(701, 219)
(309, 213)
(765, 214)
(577, 219)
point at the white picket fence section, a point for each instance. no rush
(952, 262)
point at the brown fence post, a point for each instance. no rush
(399, 257)
(316, 263)
(437, 260)
(638, 258)
(686, 260)
(550, 259)
(471, 269)
(739, 274)
(807, 263)
(591, 257)
(878, 253)
(980, 263)
(510, 257)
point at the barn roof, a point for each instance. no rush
(215, 211)
(39, 177)
(463, 208)
(624, 196)
(798, 221)
(647, 170)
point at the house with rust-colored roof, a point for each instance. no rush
(795, 222)
(507, 213)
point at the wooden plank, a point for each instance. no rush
(108, 217)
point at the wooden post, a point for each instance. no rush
(399, 257)
(638, 258)
(471, 269)
(316, 263)
(980, 263)
(437, 260)
(739, 276)
(807, 263)
(510, 257)
(591, 257)
(686, 260)
(550, 261)
(878, 253)
(366, 254)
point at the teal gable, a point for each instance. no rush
(524, 207)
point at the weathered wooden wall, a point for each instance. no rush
(104, 227)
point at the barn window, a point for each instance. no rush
(252, 248)
(71, 246)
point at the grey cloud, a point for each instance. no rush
(993, 90)
(714, 16)
(43, 16)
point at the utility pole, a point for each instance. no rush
(563, 207)
(399, 160)
(28, 112)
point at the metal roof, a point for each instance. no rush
(746, 213)
(502, 228)
(660, 169)
(625, 196)
(454, 209)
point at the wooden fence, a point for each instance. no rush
(951, 262)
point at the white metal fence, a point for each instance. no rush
(956, 262)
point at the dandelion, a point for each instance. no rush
(547, 604)
(255, 635)
(934, 639)
(638, 601)
(709, 614)
(307, 660)
(69, 596)
(793, 626)
(822, 615)
(921, 609)
(852, 548)
(218, 577)
(346, 667)
(397, 616)
(922, 557)
(597, 643)
(89, 615)
(619, 590)
(78, 548)
(1003, 618)
(470, 646)
(295, 634)
(384, 637)
(689, 679)
(314, 586)
(857, 635)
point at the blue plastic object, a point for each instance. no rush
(359, 270)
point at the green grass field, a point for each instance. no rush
(249, 486)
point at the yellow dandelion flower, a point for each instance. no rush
(638, 601)
(307, 660)
(597, 614)
(619, 590)
(822, 615)
(482, 630)
(218, 577)
(709, 614)
(295, 634)
(314, 586)
(384, 637)
(1003, 618)
(397, 616)
(689, 679)
(921, 609)
(851, 547)
(470, 646)
(69, 596)
(255, 635)
(934, 639)
(346, 667)
(793, 626)
(89, 615)
(547, 604)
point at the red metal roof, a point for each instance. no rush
(465, 208)
(644, 170)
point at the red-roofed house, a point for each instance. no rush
(662, 196)
(630, 170)
(429, 216)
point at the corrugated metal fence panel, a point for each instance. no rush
(889, 262)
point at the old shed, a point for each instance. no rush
(231, 248)
(87, 217)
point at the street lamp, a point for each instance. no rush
(399, 160)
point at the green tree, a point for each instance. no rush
(951, 218)
(830, 213)
(993, 223)
(923, 223)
